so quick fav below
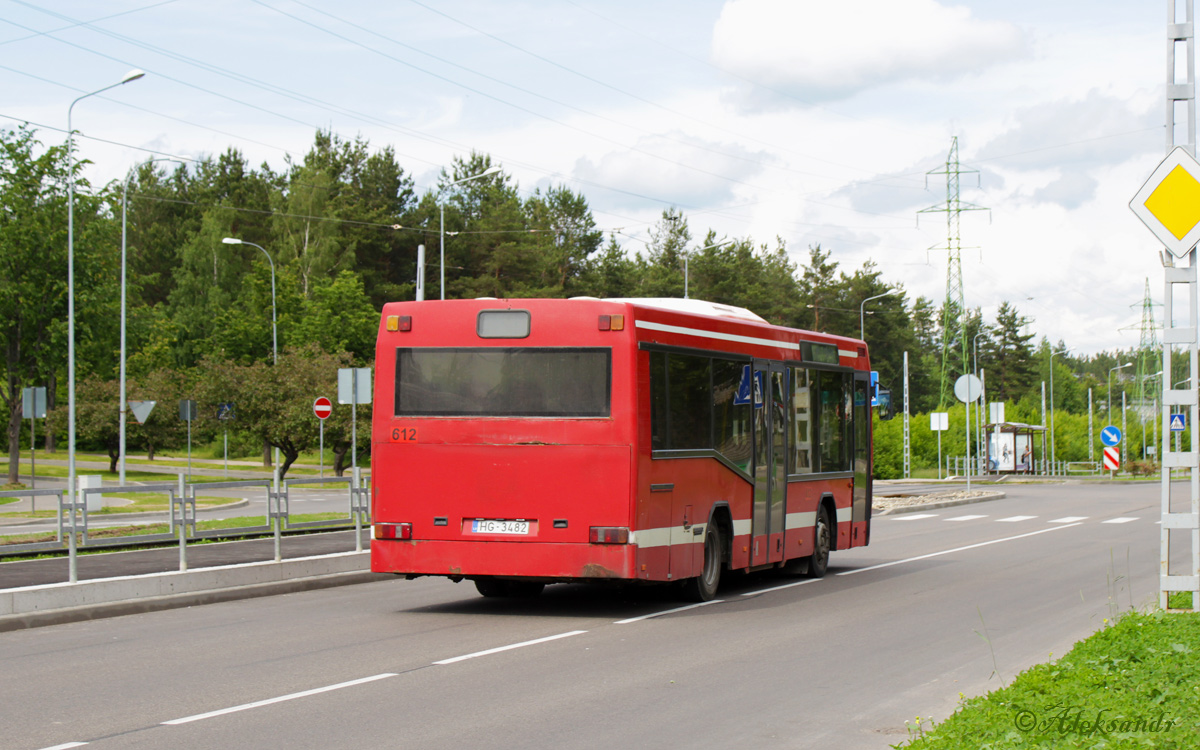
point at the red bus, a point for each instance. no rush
(523, 442)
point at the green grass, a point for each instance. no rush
(142, 502)
(1133, 684)
(162, 528)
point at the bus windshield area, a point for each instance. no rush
(503, 382)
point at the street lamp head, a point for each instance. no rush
(231, 241)
(490, 170)
(133, 75)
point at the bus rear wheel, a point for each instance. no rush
(703, 588)
(492, 587)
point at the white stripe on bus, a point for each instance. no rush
(718, 336)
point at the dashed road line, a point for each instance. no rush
(965, 518)
(956, 549)
(1122, 519)
(916, 516)
(509, 647)
(1068, 519)
(280, 699)
(667, 612)
(65, 746)
(1015, 519)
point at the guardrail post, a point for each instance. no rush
(274, 497)
(181, 498)
(355, 508)
(72, 553)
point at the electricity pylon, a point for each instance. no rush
(955, 303)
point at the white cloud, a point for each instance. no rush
(815, 49)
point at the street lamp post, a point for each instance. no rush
(685, 263)
(124, 211)
(132, 75)
(862, 313)
(274, 332)
(1110, 372)
(442, 218)
(1053, 454)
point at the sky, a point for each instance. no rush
(807, 121)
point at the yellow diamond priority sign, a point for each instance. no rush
(1169, 202)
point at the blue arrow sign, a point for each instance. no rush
(1178, 423)
(1110, 436)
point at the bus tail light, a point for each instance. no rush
(393, 531)
(612, 323)
(608, 535)
(399, 323)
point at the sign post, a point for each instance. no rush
(1111, 437)
(968, 388)
(354, 388)
(187, 412)
(33, 405)
(939, 422)
(322, 408)
(225, 413)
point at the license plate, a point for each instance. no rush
(491, 526)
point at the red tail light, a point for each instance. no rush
(393, 531)
(608, 535)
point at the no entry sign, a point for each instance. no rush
(322, 408)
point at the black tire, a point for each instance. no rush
(703, 588)
(818, 562)
(492, 588)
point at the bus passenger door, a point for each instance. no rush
(862, 450)
(770, 473)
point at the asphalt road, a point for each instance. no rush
(949, 601)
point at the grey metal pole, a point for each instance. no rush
(442, 242)
(356, 482)
(132, 75)
(354, 418)
(1124, 429)
(1091, 432)
(907, 435)
(277, 520)
(420, 273)
(1044, 427)
(182, 522)
(274, 325)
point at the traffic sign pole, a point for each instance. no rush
(322, 407)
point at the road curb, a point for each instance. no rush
(942, 504)
(53, 604)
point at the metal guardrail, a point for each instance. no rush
(72, 518)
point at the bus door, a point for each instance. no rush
(770, 468)
(862, 449)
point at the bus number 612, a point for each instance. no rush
(404, 434)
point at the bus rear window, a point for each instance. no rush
(503, 382)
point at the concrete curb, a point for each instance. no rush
(36, 606)
(942, 504)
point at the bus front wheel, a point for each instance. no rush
(818, 563)
(703, 588)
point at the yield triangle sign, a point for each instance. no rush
(141, 410)
(1178, 423)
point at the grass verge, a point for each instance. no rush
(1134, 684)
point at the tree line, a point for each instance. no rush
(341, 227)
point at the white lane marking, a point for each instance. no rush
(1015, 519)
(65, 746)
(964, 518)
(1069, 519)
(509, 647)
(667, 612)
(956, 549)
(280, 699)
(778, 588)
(1122, 519)
(915, 516)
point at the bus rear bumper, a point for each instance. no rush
(468, 559)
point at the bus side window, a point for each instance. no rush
(658, 401)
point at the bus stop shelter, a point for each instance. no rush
(1010, 447)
